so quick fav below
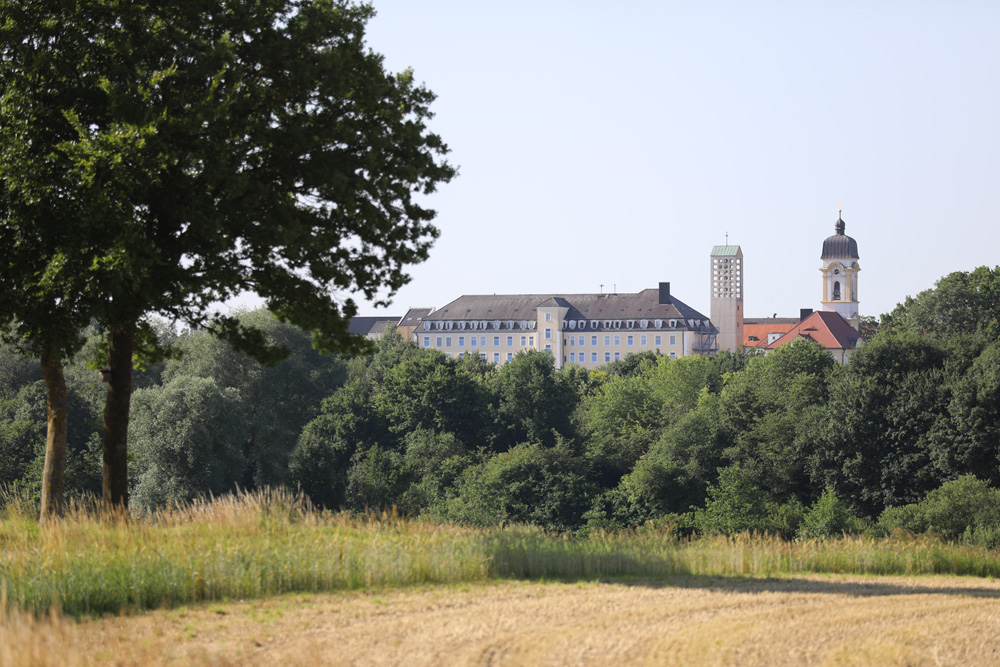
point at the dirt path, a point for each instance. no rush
(794, 621)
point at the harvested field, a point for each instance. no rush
(692, 620)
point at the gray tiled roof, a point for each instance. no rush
(413, 316)
(363, 326)
(840, 246)
(516, 307)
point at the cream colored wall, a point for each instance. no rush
(623, 348)
(489, 349)
(683, 341)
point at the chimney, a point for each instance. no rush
(664, 294)
(804, 313)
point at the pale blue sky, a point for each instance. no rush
(616, 143)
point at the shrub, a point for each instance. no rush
(827, 517)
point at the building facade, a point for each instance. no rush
(727, 295)
(589, 330)
(840, 275)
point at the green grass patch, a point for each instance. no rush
(268, 543)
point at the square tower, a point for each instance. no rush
(727, 295)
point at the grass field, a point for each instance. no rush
(234, 558)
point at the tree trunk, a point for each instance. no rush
(116, 408)
(57, 409)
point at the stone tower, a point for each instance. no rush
(840, 275)
(727, 295)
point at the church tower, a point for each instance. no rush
(727, 295)
(840, 275)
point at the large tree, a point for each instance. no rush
(159, 158)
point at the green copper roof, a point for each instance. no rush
(725, 250)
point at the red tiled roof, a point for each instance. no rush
(762, 330)
(828, 329)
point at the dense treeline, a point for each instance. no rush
(904, 436)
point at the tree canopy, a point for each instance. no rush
(159, 158)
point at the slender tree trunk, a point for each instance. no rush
(57, 409)
(116, 408)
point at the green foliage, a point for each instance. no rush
(22, 443)
(276, 156)
(529, 483)
(965, 508)
(277, 401)
(827, 517)
(872, 438)
(187, 439)
(958, 304)
(735, 504)
(534, 402)
(375, 479)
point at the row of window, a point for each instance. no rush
(581, 341)
(574, 358)
(571, 341)
(581, 358)
(477, 341)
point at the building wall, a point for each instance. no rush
(598, 346)
(844, 272)
(727, 296)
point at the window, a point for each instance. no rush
(630, 340)
(673, 355)
(607, 357)
(472, 340)
(482, 355)
(461, 343)
(593, 342)
(523, 338)
(447, 341)
(496, 357)
(583, 341)
(510, 341)
(673, 339)
(548, 348)
(607, 340)
(618, 356)
(642, 341)
(461, 355)
(548, 334)
(496, 341)
(437, 342)
(510, 355)
(531, 341)
(482, 341)
(571, 340)
(658, 340)
(427, 341)
(593, 357)
(548, 317)
(572, 356)
(618, 341)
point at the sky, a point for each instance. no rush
(615, 143)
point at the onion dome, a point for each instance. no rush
(840, 246)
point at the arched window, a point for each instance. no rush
(836, 290)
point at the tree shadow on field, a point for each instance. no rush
(854, 587)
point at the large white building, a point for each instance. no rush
(586, 329)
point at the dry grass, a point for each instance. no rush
(811, 620)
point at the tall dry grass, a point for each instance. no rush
(270, 542)
(245, 546)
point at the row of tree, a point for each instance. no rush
(725, 442)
